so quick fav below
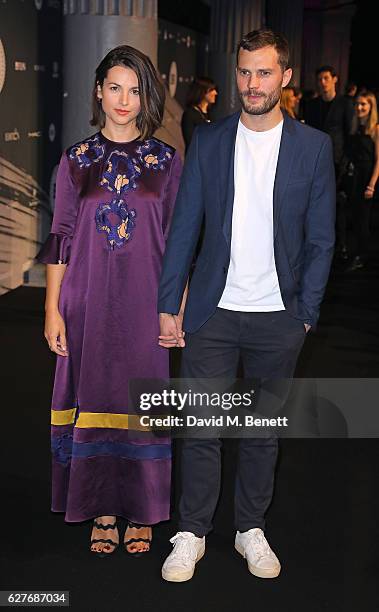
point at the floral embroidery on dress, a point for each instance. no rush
(117, 221)
(120, 173)
(153, 154)
(88, 152)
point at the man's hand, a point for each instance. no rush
(307, 327)
(179, 328)
(171, 335)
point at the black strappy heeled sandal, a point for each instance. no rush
(100, 553)
(138, 553)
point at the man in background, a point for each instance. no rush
(333, 113)
(330, 112)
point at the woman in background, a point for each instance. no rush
(289, 101)
(202, 93)
(115, 195)
(363, 162)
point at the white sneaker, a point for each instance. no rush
(261, 560)
(180, 564)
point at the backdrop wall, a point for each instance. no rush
(30, 136)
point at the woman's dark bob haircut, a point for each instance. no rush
(198, 89)
(152, 91)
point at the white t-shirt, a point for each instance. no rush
(252, 282)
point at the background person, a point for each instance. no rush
(201, 95)
(299, 97)
(114, 199)
(351, 89)
(330, 112)
(363, 160)
(333, 113)
(289, 101)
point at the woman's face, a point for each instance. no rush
(120, 96)
(211, 96)
(362, 107)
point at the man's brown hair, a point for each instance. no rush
(257, 39)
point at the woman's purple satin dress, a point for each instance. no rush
(113, 208)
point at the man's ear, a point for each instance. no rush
(287, 76)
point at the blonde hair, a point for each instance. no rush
(372, 121)
(284, 101)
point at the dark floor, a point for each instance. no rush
(323, 522)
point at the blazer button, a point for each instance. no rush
(225, 270)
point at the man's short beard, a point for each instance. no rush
(269, 101)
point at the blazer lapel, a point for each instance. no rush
(286, 157)
(226, 177)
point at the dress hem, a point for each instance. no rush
(133, 519)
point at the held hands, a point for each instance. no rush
(172, 334)
(55, 333)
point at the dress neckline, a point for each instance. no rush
(118, 142)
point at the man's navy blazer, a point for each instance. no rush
(303, 214)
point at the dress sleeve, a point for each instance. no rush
(56, 249)
(171, 190)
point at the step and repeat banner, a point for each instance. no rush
(182, 55)
(30, 111)
(32, 77)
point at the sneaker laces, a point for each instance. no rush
(184, 548)
(260, 544)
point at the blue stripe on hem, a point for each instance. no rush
(121, 449)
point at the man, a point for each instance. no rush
(333, 114)
(330, 112)
(265, 184)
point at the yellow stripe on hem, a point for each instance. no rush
(63, 417)
(107, 420)
(103, 420)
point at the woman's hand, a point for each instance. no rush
(369, 192)
(55, 332)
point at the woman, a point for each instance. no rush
(288, 101)
(114, 199)
(363, 166)
(202, 93)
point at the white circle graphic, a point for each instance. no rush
(52, 132)
(172, 79)
(3, 66)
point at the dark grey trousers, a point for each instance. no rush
(268, 344)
